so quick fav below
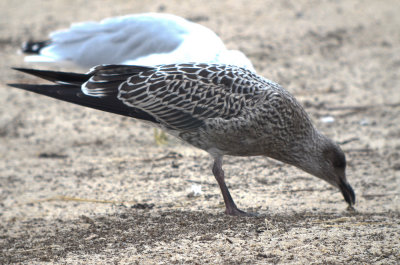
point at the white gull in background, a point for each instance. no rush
(142, 39)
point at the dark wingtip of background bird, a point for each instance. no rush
(34, 47)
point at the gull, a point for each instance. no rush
(141, 39)
(221, 109)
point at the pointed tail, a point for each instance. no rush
(68, 88)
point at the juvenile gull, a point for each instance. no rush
(141, 39)
(222, 109)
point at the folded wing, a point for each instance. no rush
(177, 96)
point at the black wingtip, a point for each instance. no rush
(73, 94)
(25, 70)
(34, 47)
(56, 76)
(20, 86)
(13, 85)
(47, 90)
(35, 72)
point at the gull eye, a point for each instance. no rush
(336, 157)
(339, 161)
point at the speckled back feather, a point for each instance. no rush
(183, 96)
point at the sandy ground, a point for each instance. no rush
(79, 186)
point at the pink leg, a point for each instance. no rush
(231, 208)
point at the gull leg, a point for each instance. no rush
(231, 208)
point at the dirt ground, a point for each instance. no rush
(80, 186)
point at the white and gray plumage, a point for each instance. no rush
(142, 39)
(224, 110)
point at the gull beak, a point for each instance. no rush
(348, 192)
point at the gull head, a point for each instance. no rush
(324, 159)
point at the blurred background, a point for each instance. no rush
(70, 177)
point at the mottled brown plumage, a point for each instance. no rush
(222, 109)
